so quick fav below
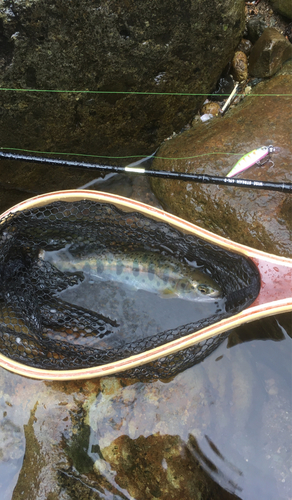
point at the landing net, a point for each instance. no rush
(39, 329)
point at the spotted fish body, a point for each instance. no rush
(140, 270)
(249, 160)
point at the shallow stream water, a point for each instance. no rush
(137, 313)
(221, 429)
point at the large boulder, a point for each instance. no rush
(112, 46)
(284, 7)
(261, 219)
(269, 53)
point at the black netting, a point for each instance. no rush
(39, 329)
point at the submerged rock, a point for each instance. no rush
(220, 429)
(113, 46)
(269, 53)
(261, 219)
(161, 466)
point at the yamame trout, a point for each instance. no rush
(148, 271)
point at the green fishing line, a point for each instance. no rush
(136, 93)
(118, 157)
(126, 93)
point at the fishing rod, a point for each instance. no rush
(284, 187)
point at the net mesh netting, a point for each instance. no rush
(36, 325)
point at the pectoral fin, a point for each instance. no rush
(167, 293)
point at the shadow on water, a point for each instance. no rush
(221, 429)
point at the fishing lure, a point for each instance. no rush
(248, 160)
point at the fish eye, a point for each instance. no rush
(203, 289)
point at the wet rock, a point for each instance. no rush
(269, 53)
(288, 32)
(284, 7)
(240, 66)
(245, 46)
(212, 108)
(255, 218)
(224, 87)
(255, 27)
(114, 47)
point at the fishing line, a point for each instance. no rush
(187, 177)
(16, 157)
(200, 178)
(137, 92)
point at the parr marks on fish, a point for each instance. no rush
(149, 271)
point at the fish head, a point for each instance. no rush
(208, 290)
(193, 289)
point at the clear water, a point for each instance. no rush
(139, 313)
(221, 429)
(232, 414)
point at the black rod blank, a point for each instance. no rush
(200, 178)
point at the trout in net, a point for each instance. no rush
(45, 255)
(147, 271)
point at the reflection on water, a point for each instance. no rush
(138, 313)
(230, 417)
(11, 451)
(120, 184)
(221, 429)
